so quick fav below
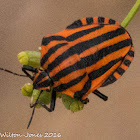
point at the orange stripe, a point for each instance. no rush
(132, 48)
(117, 23)
(84, 22)
(106, 21)
(113, 41)
(68, 32)
(124, 67)
(45, 78)
(95, 20)
(69, 77)
(37, 74)
(89, 51)
(117, 75)
(44, 49)
(76, 87)
(66, 63)
(129, 58)
(69, 93)
(44, 88)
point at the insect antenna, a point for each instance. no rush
(31, 117)
(13, 72)
(34, 105)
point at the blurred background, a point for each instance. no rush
(22, 25)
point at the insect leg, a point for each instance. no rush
(34, 105)
(52, 104)
(99, 94)
(85, 101)
(29, 68)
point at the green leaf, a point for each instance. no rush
(27, 89)
(45, 97)
(76, 106)
(72, 104)
(30, 58)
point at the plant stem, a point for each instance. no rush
(131, 14)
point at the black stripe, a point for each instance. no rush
(97, 73)
(82, 46)
(76, 24)
(111, 79)
(111, 21)
(101, 20)
(92, 59)
(82, 33)
(47, 40)
(79, 94)
(50, 52)
(42, 84)
(131, 53)
(127, 62)
(40, 77)
(63, 87)
(66, 71)
(89, 20)
(120, 71)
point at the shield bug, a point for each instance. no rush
(90, 53)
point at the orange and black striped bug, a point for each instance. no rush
(90, 53)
